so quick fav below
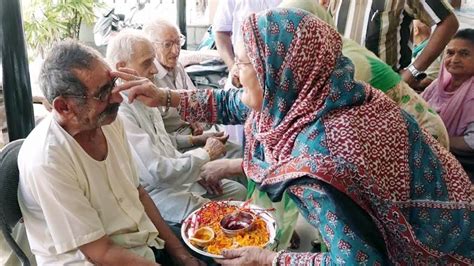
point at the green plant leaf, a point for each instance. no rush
(46, 21)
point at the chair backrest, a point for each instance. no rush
(10, 212)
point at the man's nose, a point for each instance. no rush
(176, 48)
(456, 57)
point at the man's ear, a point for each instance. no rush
(61, 105)
(120, 64)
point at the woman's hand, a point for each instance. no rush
(140, 88)
(247, 256)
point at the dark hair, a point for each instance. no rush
(57, 72)
(465, 34)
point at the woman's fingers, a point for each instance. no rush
(232, 257)
(129, 71)
(233, 253)
(127, 75)
(145, 94)
(129, 84)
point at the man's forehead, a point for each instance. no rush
(143, 51)
(168, 33)
(96, 75)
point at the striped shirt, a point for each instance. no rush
(383, 26)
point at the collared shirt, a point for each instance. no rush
(230, 14)
(383, 26)
(69, 199)
(168, 175)
(177, 79)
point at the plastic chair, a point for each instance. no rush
(10, 212)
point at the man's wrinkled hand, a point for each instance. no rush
(197, 128)
(214, 171)
(215, 148)
(202, 139)
(211, 188)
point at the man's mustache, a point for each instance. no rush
(112, 109)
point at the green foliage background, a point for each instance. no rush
(48, 21)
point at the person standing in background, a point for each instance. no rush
(227, 22)
(383, 26)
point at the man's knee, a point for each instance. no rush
(233, 150)
(234, 190)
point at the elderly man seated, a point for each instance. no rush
(167, 42)
(170, 177)
(79, 191)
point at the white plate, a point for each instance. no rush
(267, 217)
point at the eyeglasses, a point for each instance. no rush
(103, 95)
(169, 44)
(239, 63)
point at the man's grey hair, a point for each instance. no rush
(121, 47)
(57, 75)
(155, 28)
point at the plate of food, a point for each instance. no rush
(220, 225)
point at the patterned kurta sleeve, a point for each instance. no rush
(213, 106)
(344, 245)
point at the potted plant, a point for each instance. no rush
(46, 21)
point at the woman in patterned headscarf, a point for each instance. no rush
(377, 187)
(368, 68)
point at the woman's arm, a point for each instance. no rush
(211, 106)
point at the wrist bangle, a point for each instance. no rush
(191, 140)
(277, 258)
(168, 100)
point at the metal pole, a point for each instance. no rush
(181, 5)
(16, 75)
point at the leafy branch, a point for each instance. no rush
(46, 21)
